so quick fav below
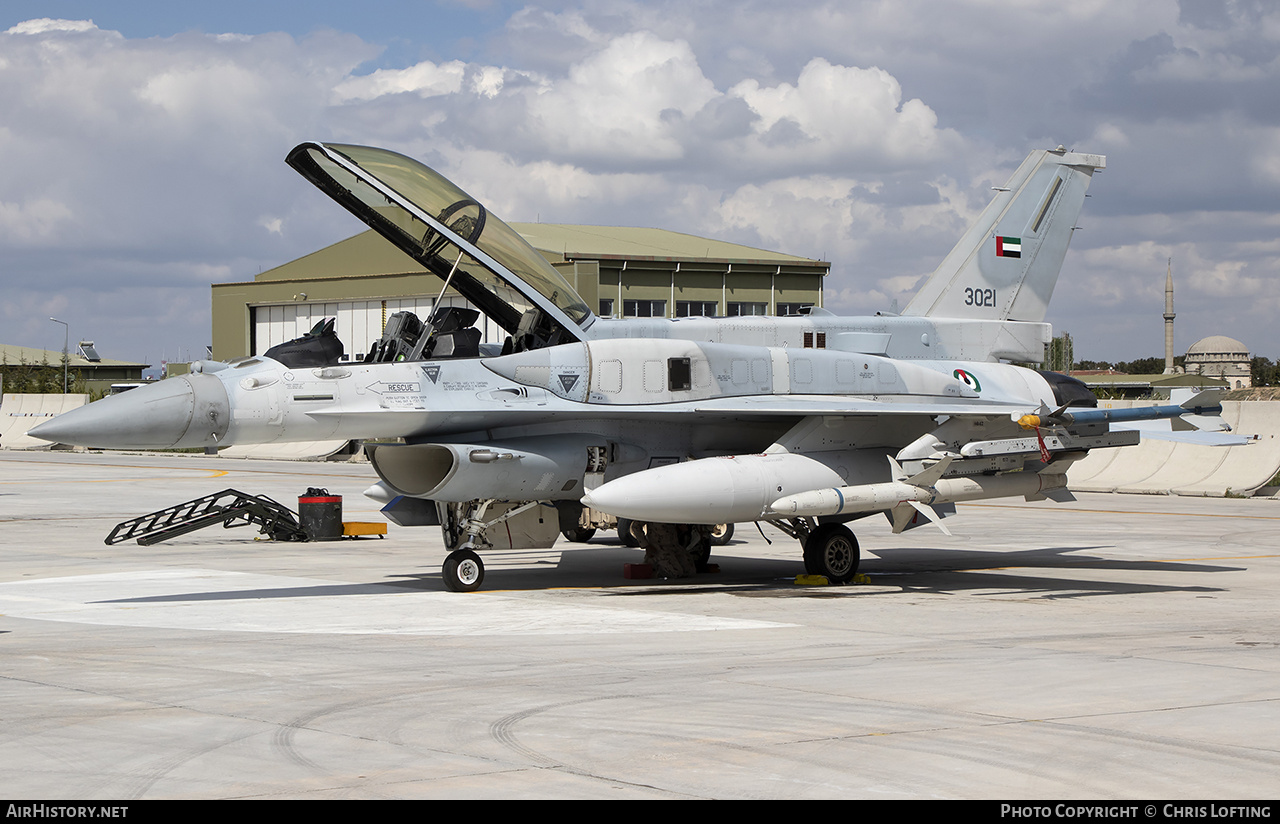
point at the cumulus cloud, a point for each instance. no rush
(147, 161)
(133, 137)
(35, 220)
(625, 99)
(844, 112)
(425, 79)
(640, 98)
(47, 24)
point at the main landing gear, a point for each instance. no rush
(831, 550)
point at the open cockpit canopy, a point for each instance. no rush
(453, 236)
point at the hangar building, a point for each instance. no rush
(97, 373)
(618, 271)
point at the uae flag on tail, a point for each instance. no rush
(1008, 247)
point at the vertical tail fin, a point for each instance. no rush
(1006, 265)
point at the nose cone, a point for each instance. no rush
(187, 411)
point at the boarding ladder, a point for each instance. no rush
(229, 507)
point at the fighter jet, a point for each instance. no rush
(576, 420)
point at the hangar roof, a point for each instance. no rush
(368, 253)
(31, 356)
(621, 242)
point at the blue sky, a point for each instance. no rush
(405, 31)
(381, 21)
(144, 152)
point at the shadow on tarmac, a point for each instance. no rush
(905, 570)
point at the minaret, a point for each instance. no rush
(1168, 321)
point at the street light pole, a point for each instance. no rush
(66, 341)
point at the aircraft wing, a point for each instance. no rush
(1163, 431)
(836, 406)
(782, 406)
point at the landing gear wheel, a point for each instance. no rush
(624, 533)
(832, 551)
(702, 553)
(463, 571)
(578, 536)
(721, 533)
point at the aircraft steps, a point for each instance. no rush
(229, 507)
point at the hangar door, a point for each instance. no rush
(359, 322)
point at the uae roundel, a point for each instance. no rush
(968, 379)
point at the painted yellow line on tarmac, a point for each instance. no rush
(1060, 509)
(243, 469)
(1064, 562)
(210, 473)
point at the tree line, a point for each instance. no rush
(43, 378)
(1263, 371)
(1060, 357)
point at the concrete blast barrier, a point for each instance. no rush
(20, 412)
(300, 451)
(1160, 467)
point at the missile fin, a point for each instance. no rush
(900, 517)
(928, 512)
(903, 515)
(930, 475)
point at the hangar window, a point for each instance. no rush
(644, 308)
(696, 308)
(787, 310)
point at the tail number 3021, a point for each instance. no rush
(979, 297)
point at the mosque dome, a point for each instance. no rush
(1219, 356)
(1219, 345)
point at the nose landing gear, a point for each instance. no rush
(463, 571)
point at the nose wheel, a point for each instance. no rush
(463, 571)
